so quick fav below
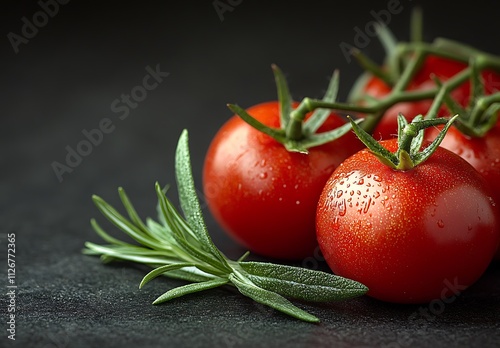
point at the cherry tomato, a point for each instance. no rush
(443, 69)
(263, 195)
(406, 235)
(482, 153)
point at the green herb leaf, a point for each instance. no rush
(181, 248)
(161, 270)
(271, 299)
(121, 222)
(189, 289)
(189, 200)
(301, 283)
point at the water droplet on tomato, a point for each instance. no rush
(339, 193)
(239, 186)
(297, 202)
(361, 181)
(440, 223)
(284, 185)
(376, 194)
(263, 175)
(469, 227)
(342, 208)
(367, 205)
(377, 178)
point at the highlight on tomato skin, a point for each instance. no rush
(264, 196)
(482, 153)
(404, 234)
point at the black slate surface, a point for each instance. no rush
(64, 80)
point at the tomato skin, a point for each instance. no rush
(263, 195)
(406, 234)
(482, 153)
(443, 69)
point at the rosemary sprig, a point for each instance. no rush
(179, 246)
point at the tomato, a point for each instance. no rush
(482, 153)
(263, 195)
(443, 69)
(407, 235)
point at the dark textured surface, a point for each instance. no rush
(63, 81)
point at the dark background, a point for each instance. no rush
(64, 80)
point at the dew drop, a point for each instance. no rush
(377, 178)
(440, 223)
(367, 205)
(339, 193)
(469, 227)
(361, 181)
(376, 195)
(263, 175)
(297, 202)
(296, 186)
(284, 185)
(263, 163)
(342, 208)
(239, 186)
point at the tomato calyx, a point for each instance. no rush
(296, 133)
(404, 61)
(410, 138)
(477, 118)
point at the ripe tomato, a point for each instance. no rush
(482, 153)
(443, 69)
(406, 234)
(263, 195)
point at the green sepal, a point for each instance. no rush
(284, 96)
(276, 133)
(422, 156)
(408, 154)
(319, 116)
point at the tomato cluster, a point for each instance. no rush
(402, 231)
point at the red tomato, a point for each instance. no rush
(263, 195)
(443, 69)
(406, 235)
(482, 153)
